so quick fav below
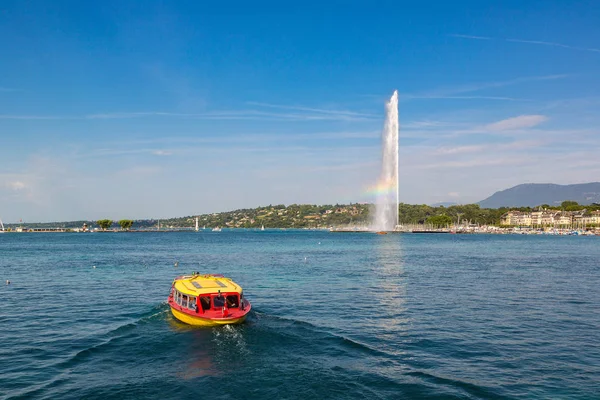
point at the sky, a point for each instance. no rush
(156, 109)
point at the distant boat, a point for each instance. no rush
(262, 228)
(217, 229)
(1, 227)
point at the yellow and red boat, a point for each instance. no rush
(208, 300)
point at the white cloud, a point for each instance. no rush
(16, 185)
(162, 153)
(520, 122)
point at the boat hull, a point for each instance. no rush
(199, 321)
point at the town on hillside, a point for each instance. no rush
(412, 217)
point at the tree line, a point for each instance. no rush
(473, 214)
(105, 224)
(307, 215)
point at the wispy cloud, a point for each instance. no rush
(554, 45)
(535, 42)
(341, 167)
(139, 171)
(162, 153)
(317, 110)
(149, 146)
(520, 122)
(490, 148)
(470, 37)
(465, 97)
(474, 163)
(425, 124)
(37, 117)
(459, 149)
(451, 92)
(123, 151)
(216, 115)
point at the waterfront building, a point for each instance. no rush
(516, 218)
(550, 218)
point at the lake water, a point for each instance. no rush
(335, 315)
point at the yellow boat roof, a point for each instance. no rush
(197, 285)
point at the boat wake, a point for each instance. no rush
(286, 326)
(114, 338)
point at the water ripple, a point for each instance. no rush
(356, 316)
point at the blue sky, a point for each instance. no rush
(155, 109)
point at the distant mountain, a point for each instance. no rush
(535, 194)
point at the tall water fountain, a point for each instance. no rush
(386, 205)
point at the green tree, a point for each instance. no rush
(104, 223)
(571, 206)
(568, 203)
(126, 224)
(439, 221)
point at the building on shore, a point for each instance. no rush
(551, 218)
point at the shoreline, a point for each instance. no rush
(459, 231)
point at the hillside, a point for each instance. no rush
(533, 194)
(272, 216)
(280, 216)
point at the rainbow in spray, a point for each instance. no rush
(386, 190)
(381, 189)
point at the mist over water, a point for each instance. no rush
(386, 205)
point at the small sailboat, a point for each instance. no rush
(262, 228)
(216, 229)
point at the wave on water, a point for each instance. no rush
(325, 333)
(409, 317)
(105, 342)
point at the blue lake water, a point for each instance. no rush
(335, 315)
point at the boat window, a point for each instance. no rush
(192, 303)
(218, 301)
(232, 301)
(205, 302)
(184, 301)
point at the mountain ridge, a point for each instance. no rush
(535, 194)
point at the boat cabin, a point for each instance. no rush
(205, 293)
